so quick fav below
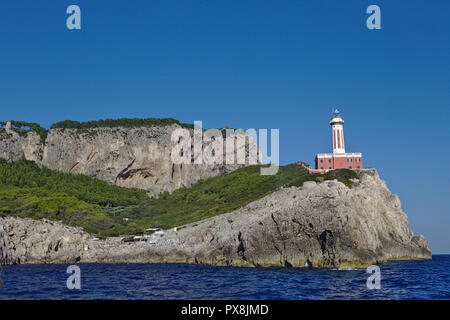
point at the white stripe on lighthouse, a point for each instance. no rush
(338, 138)
(334, 138)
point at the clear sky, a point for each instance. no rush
(251, 64)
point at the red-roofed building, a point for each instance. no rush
(339, 159)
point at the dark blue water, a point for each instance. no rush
(399, 280)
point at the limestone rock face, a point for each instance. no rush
(128, 157)
(320, 225)
(25, 241)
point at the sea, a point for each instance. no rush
(426, 279)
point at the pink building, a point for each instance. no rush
(339, 159)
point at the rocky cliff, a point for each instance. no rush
(320, 224)
(30, 241)
(324, 224)
(129, 157)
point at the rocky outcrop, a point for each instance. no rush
(24, 241)
(322, 224)
(128, 157)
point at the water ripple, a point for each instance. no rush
(399, 280)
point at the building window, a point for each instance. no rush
(329, 160)
(321, 167)
(321, 160)
(330, 167)
(350, 167)
(358, 167)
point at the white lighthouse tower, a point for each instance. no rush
(339, 159)
(337, 128)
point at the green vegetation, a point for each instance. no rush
(26, 174)
(23, 127)
(343, 175)
(219, 195)
(39, 203)
(122, 122)
(29, 191)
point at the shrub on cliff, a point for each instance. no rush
(23, 127)
(39, 203)
(27, 174)
(121, 122)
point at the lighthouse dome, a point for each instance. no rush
(336, 117)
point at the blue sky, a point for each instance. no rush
(251, 64)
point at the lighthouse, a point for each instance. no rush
(337, 129)
(339, 159)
